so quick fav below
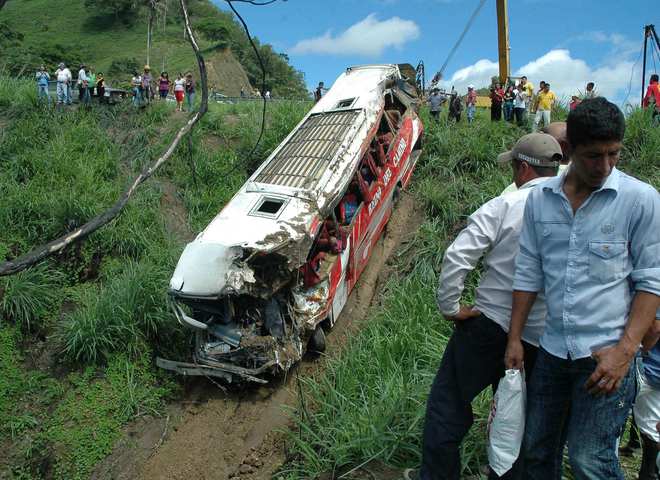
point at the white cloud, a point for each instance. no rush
(566, 75)
(368, 37)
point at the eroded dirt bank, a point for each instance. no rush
(211, 434)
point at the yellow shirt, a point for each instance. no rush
(546, 100)
(529, 89)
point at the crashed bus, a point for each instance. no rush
(278, 263)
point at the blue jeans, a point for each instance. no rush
(508, 111)
(557, 399)
(42, 92)
(63, 93)
(190, 100)
(137, 96)
(470, 112)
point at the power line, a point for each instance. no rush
(632, 72)
(469, 23)
(263, 78)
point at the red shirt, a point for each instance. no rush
(653, 90)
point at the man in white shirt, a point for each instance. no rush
(63, 76)
(472, 359)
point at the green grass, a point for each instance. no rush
(99, 310)
(69, 31)
(369, 403)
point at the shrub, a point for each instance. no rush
(121, 316)
(29, 297)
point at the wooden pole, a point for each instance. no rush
(503, 40)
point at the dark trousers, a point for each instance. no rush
(473, 360)
(496, 111)
(559, 406)
(519, 113)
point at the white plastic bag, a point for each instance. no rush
(506, 422)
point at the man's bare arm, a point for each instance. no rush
(522, 305)
(614, 361)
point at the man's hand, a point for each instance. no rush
(464, 312)
(613, 364)
(514, 355)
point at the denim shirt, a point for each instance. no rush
(589, 264)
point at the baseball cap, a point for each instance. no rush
(471, 86)
(538, 149)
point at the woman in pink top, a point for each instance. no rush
(164, 85)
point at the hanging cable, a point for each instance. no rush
(469, 23)
(632, 72)
(248, 157)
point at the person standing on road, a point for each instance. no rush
(590, 91)
(190, 91)
(319, 92)
(455, 107)
(496, 99)
(472, 360)
(82, 83)
(544, 103)
(179, 92)
(147, 81)
(470, 103)
(63, 77)
(508, 103)
(652, 97)
(42, 78)
(519, 105)
(527, 87)
(591, 242)
(100, 87)
(164, 85)
(136, 85)
(435, 101)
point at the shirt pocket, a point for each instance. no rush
(606, 260)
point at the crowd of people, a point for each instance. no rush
(519, 102)
(89, 85)
(570, 296)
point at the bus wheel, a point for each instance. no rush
(317, 341)
(396, 194)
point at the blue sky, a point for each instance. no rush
(564, 42)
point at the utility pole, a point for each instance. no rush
(649, 32)
(503, 40)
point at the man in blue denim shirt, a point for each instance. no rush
(591, 242)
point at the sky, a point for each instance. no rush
(565, 42)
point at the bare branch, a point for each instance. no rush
(55, 246)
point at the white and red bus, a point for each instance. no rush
(278, 263)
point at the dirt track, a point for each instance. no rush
(211, 434)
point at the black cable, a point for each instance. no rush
(263, 80)
(254, 2)
(438, 75)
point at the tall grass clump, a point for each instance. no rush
(30, 296)
(120, 316)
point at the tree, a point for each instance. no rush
(215, 31)
(117, 8)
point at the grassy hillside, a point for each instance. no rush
(78, 333)
(369, 404)
(50, 31)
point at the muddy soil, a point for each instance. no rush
(216, 434)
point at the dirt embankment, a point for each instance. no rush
(212, 434)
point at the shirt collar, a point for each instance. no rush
(555, 184)
(533, 182)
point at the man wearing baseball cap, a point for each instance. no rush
(590, 241)
(473, 358)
